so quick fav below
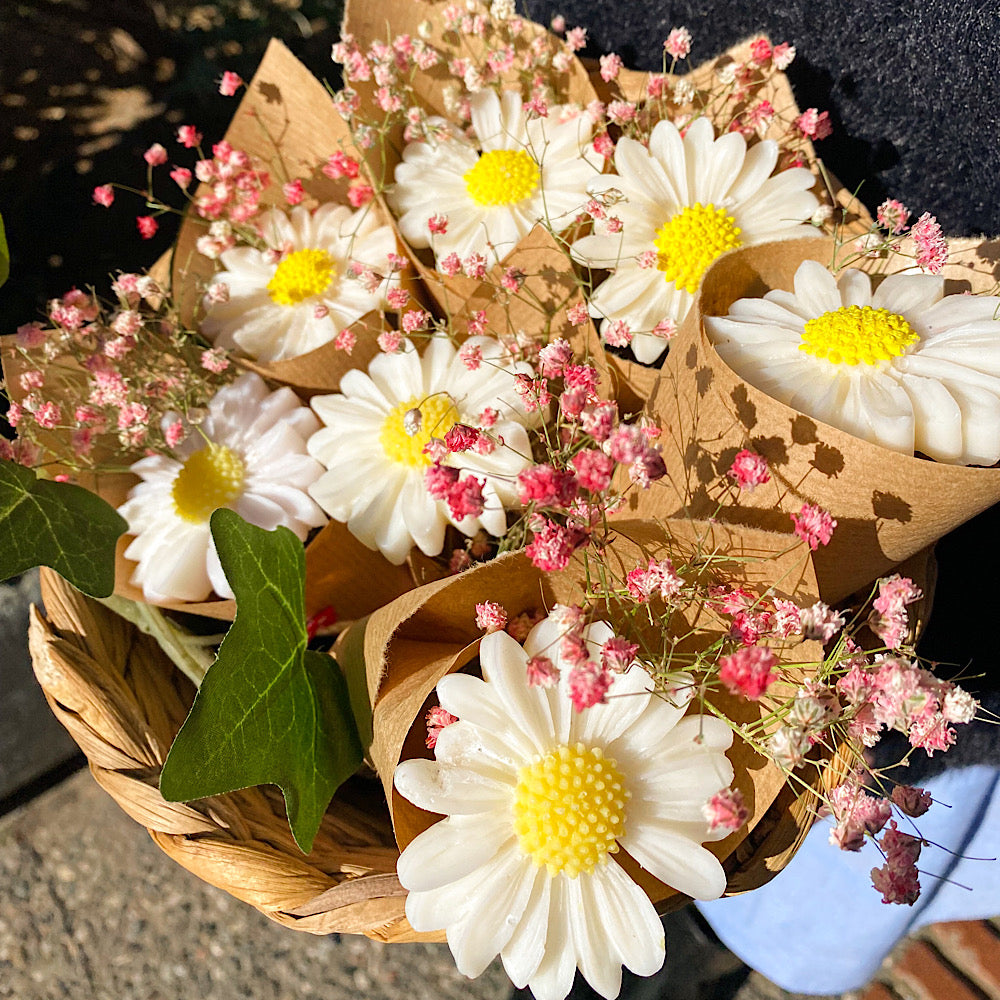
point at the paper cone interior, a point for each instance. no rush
(888, 506)
(430, 632)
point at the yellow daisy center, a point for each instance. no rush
(209, 479)
(408, 428)
(857, 334)
(569, 809)
(301, 275)
(502, 177)
(689, 241)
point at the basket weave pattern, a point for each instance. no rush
(123, 701)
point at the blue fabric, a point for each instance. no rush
(820, 927)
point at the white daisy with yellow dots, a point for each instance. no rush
(376, 433)
(301, 290)
(903, 366)
(490, 190)
(682, 203)
(541, 800)
(248, 454)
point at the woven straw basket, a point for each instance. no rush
(123, 701)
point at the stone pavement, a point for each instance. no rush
(92, 910)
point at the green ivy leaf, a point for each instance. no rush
(270, 711)
(70, 529)
(4, 254)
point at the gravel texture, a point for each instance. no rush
(93, 911)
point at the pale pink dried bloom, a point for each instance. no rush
(749, 470)
(931, 247)
(155, 155)
(542, 672)
(678, 43)
(230, 83)
(437, 719)
(214, 360)
(747, 672)
(104, 195)
(390, 341)
(959, 706)
(593, 469)
(782, 55)
(820, 622)
(892, 215)
(491, 617)
(814, 124)
(814, 525)
(188, 136)
(726, 810)
(611, 65)
(588, 685)
(786, 622)
(618, 654)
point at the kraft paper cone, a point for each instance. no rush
(431, 632)
(368, 24)
(888, 506)
(286, 121)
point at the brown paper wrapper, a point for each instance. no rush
(887, 506)
(287, 121)
(430, 632)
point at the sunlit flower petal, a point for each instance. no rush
(686, 202)
(494, 187)
(301, 290)
(903, 366)
(549, 899)
(374, 452)
(248, 454)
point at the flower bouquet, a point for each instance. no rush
(529, 468)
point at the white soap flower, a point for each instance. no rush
(903, 366)
(686, 202)
(493, 189)
(378, 427)
(281, 307)
(539, 798)
(248, 454)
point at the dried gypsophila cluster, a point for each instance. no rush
(99, 378)
(850, 700)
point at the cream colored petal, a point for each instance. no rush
(855, 288)
(760, 160)
(728, 154)
(937, 419)
(524, 951)
(667, 147)
(473, 701)
(450, 790)
(908, 294)
(504, 665)
(553, 978)
(675, 860)
(633, 929)
(477, 940)
(816, 288)
(596, 960)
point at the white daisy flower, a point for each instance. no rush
(279, 307)
(539, 798)
(248, 454)
(686, 202)
(905, 366)
(378, 425)
(516, 172)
